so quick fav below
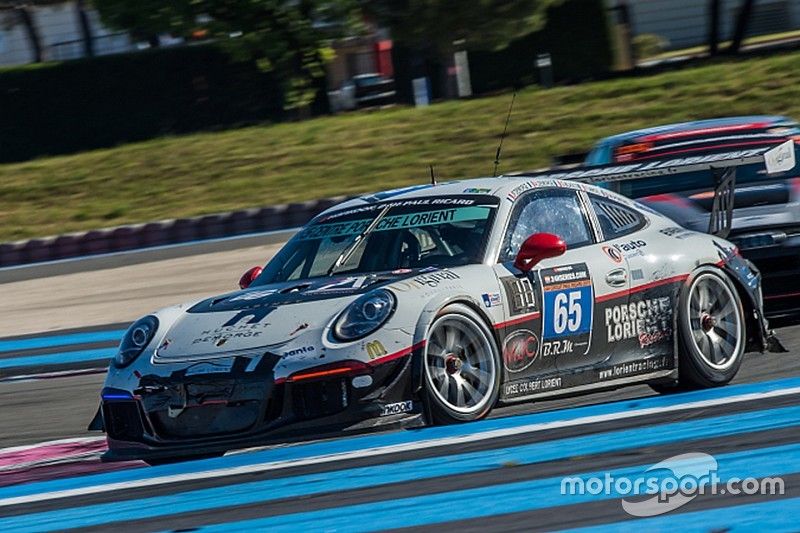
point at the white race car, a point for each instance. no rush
(433, 304)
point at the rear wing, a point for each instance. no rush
(721, 169)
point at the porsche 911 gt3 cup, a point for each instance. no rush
(432, 305)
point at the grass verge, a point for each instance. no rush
(367, 151)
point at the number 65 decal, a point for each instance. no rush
(568, 302)
(567, 312)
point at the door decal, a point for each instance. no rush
(519, 295)
(568, 305)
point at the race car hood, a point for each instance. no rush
(268, 318)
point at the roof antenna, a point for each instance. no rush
(503, 137)
(433, 176)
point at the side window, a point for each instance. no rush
(616, 220)
(551, 211)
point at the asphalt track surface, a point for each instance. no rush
(503, 474)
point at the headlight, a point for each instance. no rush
(364, 316)
(135, 340)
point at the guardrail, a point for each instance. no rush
(164, 232)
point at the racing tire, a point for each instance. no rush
(461, 366)
(711, 331)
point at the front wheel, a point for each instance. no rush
(462, 366)
(712, 331)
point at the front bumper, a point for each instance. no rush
(181, 416)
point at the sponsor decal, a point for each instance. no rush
(533, 386)
(234, 331)
(781, 158)
(299, 328)
(212, 367)
(547, 183)
(477, 191)
(637, 274)
(397, 408)
(491, 299)
(429, 280)
(346, 285)
(613, 253)
(254, 316)
(520, 350)
(649, 321)
(164, 346)
(633, 368)
(416, 202)
(553, 348)
(298, 351)
(677, 233)
(519, 294)
(665, 271)
(375, 349)
(253, 295)
(568, 304)
(632, 248)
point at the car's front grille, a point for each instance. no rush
(320, 398)
(206, 420)
(123, 420)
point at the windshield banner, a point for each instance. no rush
(404, 221)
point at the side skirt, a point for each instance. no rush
(598, 386)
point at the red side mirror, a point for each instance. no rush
(249, 277)
(537, 247)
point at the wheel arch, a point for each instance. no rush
(753, 319)
(429, 314)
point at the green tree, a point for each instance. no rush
(433, 26)
(486, 24)
(290, 38)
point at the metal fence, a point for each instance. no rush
(685, 23)
(114, 43)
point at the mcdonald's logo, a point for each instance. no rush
(375, 349)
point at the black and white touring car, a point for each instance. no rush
(433, 304)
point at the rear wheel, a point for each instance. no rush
(462, 369)
(711, 329)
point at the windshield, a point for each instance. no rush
(444, 231)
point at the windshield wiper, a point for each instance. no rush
(348, 252)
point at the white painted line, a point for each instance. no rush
(26, 378)
(394, 448)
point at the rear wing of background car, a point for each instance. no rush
(720, 168)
